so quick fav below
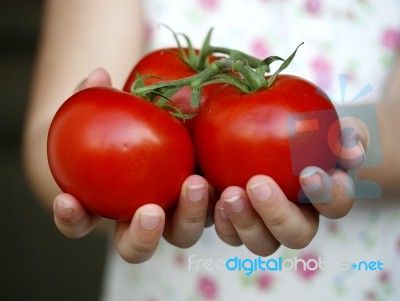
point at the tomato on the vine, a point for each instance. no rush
(162, 65)
(276, 131)
(115, 152)
(167, 65)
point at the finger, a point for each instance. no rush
(355, 138)
(71, 218)
(224, 227)
(98, 77)
(137, 241)
(187, 222)
(332, 196)
(292, 225)
(248, 224)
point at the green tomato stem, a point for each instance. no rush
(251, 80)
(194, 81)
(239, 69)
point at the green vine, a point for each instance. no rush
(245, 72)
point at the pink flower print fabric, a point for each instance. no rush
(207, 288)
(391, 39)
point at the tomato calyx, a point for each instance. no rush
(238, 69)
(162, 100)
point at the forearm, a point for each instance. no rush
(387, 172)
(77, 37)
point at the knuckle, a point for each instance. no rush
(195, 219)
(136, 253)
(143, 249)
(279, 217)
(248, 225)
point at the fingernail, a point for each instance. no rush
(65, 210)
(261, 191)
(222, 213)
(150, 221)
(195, 193)
(311, 178)
(235, 203)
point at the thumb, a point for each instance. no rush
(98, 77)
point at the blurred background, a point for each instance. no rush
(36, 261)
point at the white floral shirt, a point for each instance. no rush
(349, 49)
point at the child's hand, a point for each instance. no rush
(137, 240)
(262, 218)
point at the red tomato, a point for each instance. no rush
(115, 152)
(167, 65)
(276, 132)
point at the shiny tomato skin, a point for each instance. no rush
(164, 63)
(115, 152)
(240, 135)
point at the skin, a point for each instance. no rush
(259, 216)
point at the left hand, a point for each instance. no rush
(137, 240)
(262, 218)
